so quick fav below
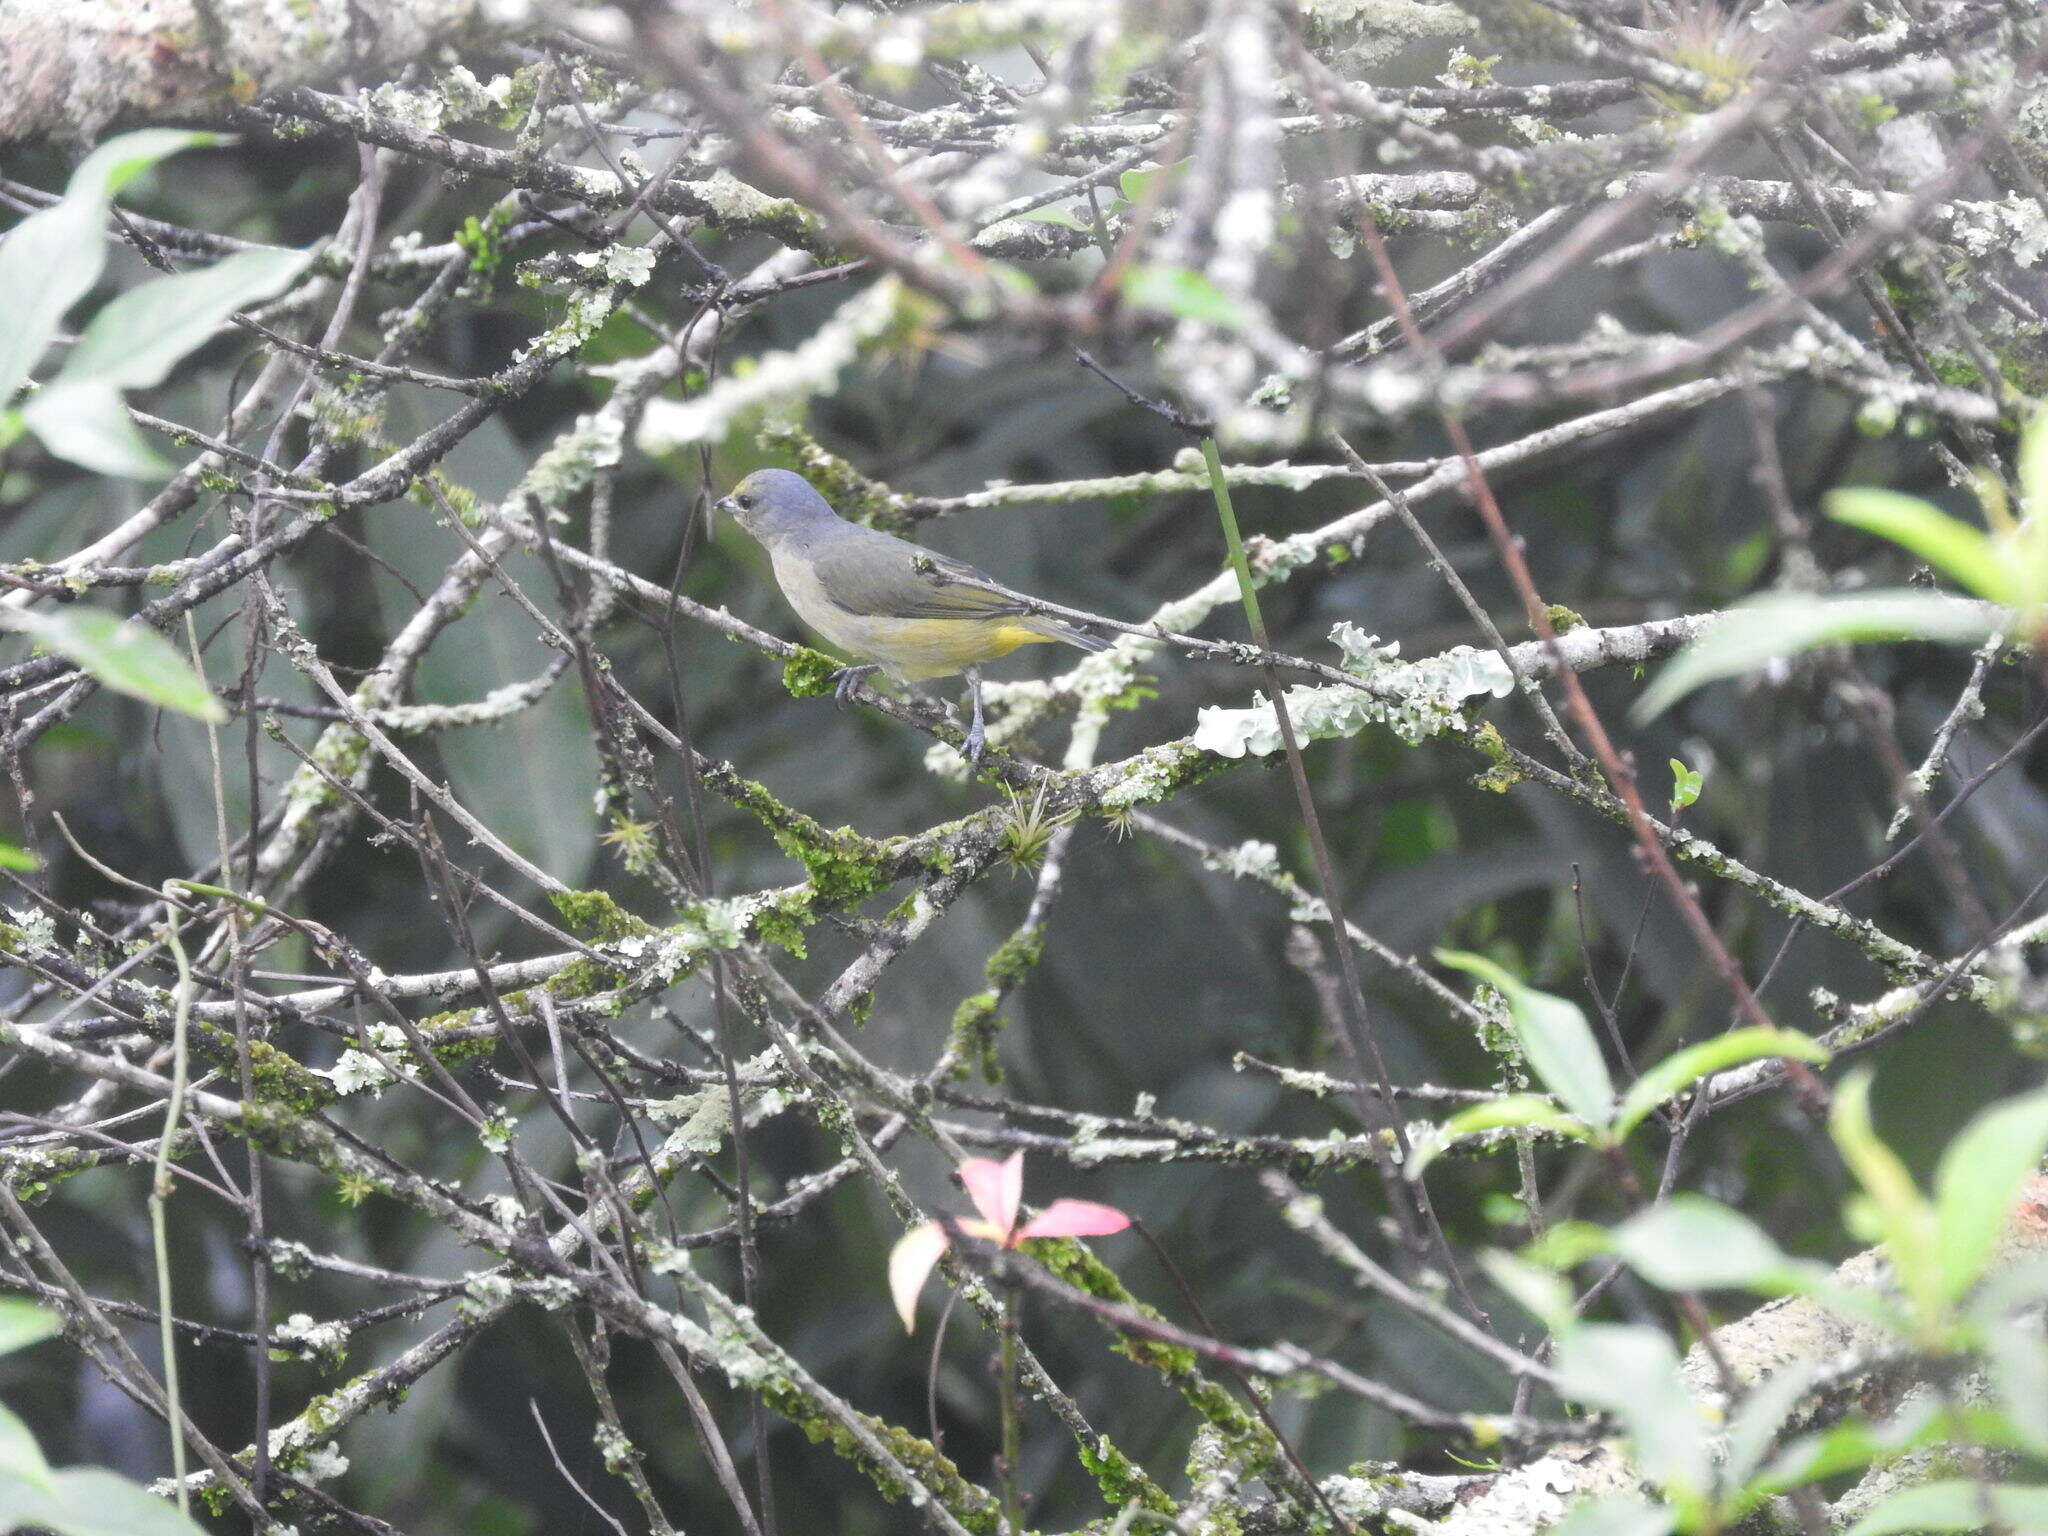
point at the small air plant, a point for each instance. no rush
(636, 843)
(1028, 832)
(1725, 44)
(1120, 819)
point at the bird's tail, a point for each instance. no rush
(1068, 634)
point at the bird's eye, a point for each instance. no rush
(746, 502)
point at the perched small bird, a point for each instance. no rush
(901, 609)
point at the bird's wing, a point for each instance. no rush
(883, 576)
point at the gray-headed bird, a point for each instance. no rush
(899, 608)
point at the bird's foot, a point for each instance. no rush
(976, 737)
(846, 679)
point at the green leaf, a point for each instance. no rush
(137, 338)
(23, 1323)
(86, 424)
(1685, 785)
(1682, 1069)
(1563, 1244)
(2033, 465)
(1052, 213)
(1979, 1179)
(1514, 1109)
(1691, 1243)
(109, 168)
(95, 1502)
(18, 859)
(1631, 1370)
(1614, 1517)
(28, 1501)
(1904, 1218)
(78, 1501)
(1555, 1038)
(1784, 624)
(1184, 294)
(1958, 1504)
(1852, 1444)
(1745, 560)
(2016, 1361)
(1754, 1426)
(1541, 1293)
(1947, 543)
(1135, 184)
(20, 1456)
(47, 264)
(52, 258)
(2009, 1288)
(128, 657)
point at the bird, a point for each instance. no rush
(899, 608)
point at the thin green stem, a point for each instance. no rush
(221, 893)
(1247, 590)
(160, 1192)
(1100, 228)
(258, 1243)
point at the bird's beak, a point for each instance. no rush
(725, 504)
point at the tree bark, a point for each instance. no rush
(69, 69)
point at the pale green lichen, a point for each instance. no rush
(1155, 774)
(588, 309)
(631, 265)
(357, 1071)
(1128, 492)
(320, 1464)
(1246, 861)
(340, 754)
(300, 1337)
(552, 1292)
(777, 380)
(1088, 1152)
(32, 932)
(497, 705)
(618, 1453)
(2015, 227)
(728, 202)
(1415, 700)
(483, 1295)
(702, 1120)
(1318, 1084)
(497, 1131)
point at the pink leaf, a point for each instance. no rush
(1075, 1218)
(997, 1189)
(910, 1265)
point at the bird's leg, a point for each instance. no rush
(976, 737)
(846, 679)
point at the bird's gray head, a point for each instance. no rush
(775, 504)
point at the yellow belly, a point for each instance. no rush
(909, 649)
